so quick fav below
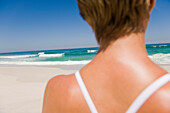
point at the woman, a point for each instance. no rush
(120, 78)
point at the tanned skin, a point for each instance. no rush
(114, 78)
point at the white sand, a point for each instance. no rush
(22, 87)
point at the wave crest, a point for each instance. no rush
(42, 54)
(91, 51)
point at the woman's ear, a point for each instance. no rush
(151, 5)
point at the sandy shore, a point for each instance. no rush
(22, 87)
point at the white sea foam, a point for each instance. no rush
(45, 63)
(17, 56)
(163, 45)
(161, 58)
(158, 58)
(91, 51)
(160, 46)
(154, 46)
(42, 54)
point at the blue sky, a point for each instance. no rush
(53, 24)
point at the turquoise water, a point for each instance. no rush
(159, 53)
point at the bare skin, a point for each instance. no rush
(114, 78)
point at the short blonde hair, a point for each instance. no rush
(112, 19)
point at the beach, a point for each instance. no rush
(22, 87)
(24, 75)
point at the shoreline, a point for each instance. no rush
(22, 87)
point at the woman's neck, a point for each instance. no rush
(132, 45)
(125, 49)
(128, 52)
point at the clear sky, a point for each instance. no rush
(53, 24)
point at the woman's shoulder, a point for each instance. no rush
(159, 101)
(62, 94)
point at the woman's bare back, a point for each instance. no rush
(112, 88)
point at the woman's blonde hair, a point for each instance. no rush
(112, 19)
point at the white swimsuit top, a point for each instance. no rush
(139, 101)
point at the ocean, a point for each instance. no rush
(159, 53)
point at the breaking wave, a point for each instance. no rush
(42, 54)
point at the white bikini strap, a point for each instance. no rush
(85, 93)
(142, 98)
